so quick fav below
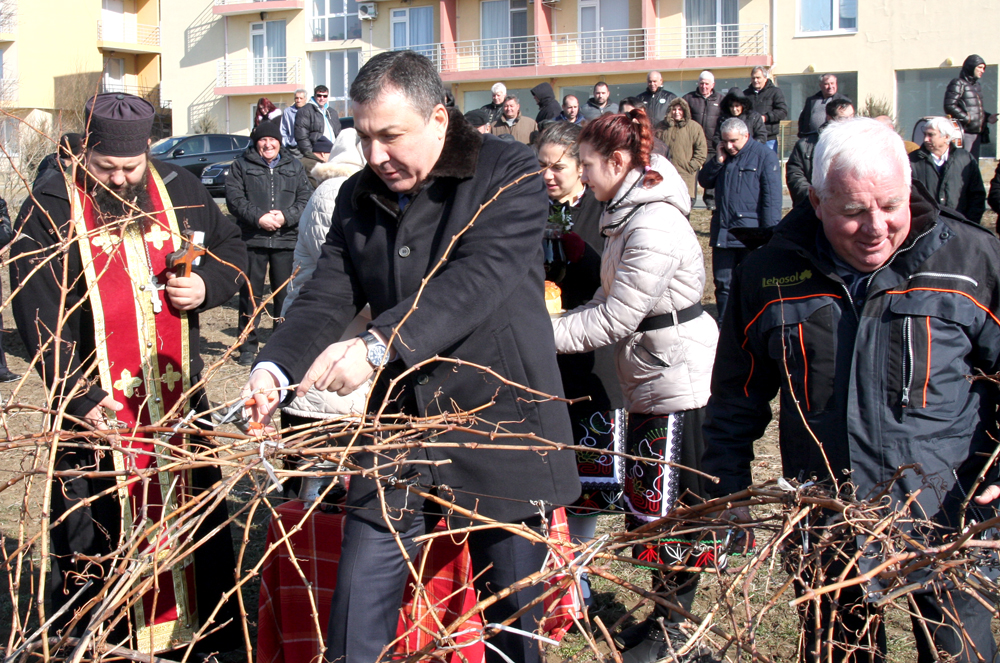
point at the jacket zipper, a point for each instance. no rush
(270, 175)
(904, 400)
(872, 275)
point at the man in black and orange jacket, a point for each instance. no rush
(867, 310)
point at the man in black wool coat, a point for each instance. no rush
(428, 173)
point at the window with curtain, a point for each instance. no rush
(114, 75)
(267, 53)
(505, 41)
(712, 28)
(334, 20)
(413, 29)
(604, 31)
(828, 16)
(336, 70)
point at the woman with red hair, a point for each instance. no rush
(265, 110)
(649, 307)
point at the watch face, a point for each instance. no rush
(376, 355)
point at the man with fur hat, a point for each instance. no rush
(736, 104)
(963, 100)
(111, 310)
(266, 191)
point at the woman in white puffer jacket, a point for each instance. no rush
(345, 160)
(649, 307)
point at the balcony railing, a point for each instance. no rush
(258, 72)
(600, 46)
(218, 3)
(127, 32)
(150, 94)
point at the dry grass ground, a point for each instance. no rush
(777, 636)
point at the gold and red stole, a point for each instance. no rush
(144, 363)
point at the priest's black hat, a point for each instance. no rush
(118, 124)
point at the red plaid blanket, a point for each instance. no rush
(292, 619)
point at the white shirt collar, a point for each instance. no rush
(940, 162)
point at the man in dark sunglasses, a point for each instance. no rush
(317, 118)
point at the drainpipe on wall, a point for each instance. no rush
(772, 39)
(225, 61)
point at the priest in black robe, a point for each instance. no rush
(113, 320)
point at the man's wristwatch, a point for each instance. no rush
(377, 353)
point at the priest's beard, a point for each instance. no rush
(114, 203)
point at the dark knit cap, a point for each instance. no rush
(323, 144)
(70, 144)
(267, 129)
(118, 125)
(477, 117)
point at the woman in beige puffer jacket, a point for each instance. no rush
(652, 266)
(649, 307)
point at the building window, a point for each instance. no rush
(114, 75)
(920, 92)
(504, 30)
(334, 20)
(604, 33)
(267, 53)
(413, 29)
(712, 28)
(828, 16)
(336, 70)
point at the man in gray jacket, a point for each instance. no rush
(316, 118)
(600, 104)
(288, 124)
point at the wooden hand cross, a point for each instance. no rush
(182, 260)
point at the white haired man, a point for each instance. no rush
(495, 107)
(813, 114)
(950, 173)
(706, 109)
(867, 310)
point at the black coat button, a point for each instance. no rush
(423, 379)
(404, 251)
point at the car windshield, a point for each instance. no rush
(165, 145)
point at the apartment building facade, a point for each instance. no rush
(220, 56)
(53, 55)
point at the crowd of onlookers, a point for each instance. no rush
(864, 312)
